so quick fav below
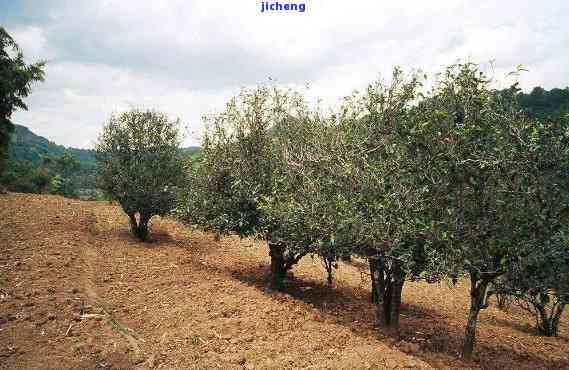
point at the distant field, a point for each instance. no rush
(77, 291)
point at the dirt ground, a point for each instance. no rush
(78, 292)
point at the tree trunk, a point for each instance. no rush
(143, 227)
(328, 261)
(387, 286)
(372, 267)
(478, 290)
(557, 318)
(133, 223)
(470, 333)
(329, 267)
(139, 228)
(398, 276)
(548, 324)
(386, 303)
(382, 287)
(278, 267)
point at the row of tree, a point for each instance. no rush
(423, 185)
(430, 185)
(455, 181)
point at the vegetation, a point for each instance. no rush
(538, 279)
(17, 78)
(383, 221)
(544, 104)
(239, 176)
(27, 146)
(539, 284)
(459, 180)
(55, 175)
(63, 168)
(26, 166)
(456, 181)
(139, 165)
(25, 177)
(37, 165)
(488, 165)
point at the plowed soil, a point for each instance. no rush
(78, 292)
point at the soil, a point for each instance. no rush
(77, 291)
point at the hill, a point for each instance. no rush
(29, 146)
(26, 165)
(26, 161)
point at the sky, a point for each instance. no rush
(188, 57)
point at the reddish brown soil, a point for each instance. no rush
(77, 291)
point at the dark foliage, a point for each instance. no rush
(16, 78)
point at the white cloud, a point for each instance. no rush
(33, 40)
(187, 57)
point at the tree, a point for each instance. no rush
(375, 197)
(539, 283)
(543, 104)
(303, 207)
(486, 175)
(16, 79)
(350, 189)
(63, 169)
(539, 278)
(26, 177)
(238, 183)
(139, 165)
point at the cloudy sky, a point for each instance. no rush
(187, 57)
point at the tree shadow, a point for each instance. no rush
(159, 239)
(435, 340)
(521, 327)
(155, 239)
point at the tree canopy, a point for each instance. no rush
(424, 184)
(16, 81)
(139, 165)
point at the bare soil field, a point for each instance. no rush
(78, 292)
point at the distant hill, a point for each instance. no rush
(28, 150)
(192, 150)
(31, 147)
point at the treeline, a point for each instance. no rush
(455, 181)
(58, 175)
(543, 104)
(28, 153)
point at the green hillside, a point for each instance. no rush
(27, 168)
(28, 150)
(31, 147)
